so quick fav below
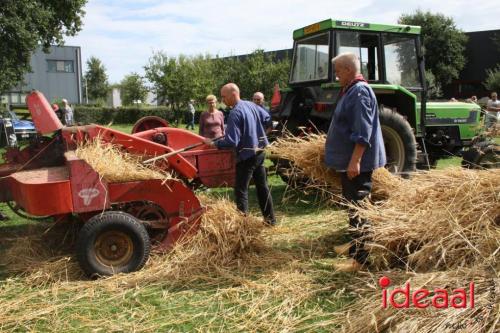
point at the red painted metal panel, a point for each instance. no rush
(43, 115)
(42, 192)
(216, 168)
(179, 203)
(89, 191)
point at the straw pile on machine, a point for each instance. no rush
(116, 165)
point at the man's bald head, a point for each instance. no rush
(230, 94)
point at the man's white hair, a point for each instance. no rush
(348, 59)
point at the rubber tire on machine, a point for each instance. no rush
(147, 123)
(399, 141)
(121, 226)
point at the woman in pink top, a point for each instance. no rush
(212, 121)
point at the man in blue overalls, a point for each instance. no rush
(354, 147)
(246, 132)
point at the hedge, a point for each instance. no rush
(123, 115)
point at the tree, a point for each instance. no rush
(178, 80)
(133, 89)
(27, 24)
(255, 72)
(444, 45)
(96, 80)
(492, 81)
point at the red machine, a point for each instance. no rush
(123, 221)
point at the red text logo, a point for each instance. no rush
(422, 298)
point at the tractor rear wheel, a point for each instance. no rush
(399, 141)
(111, 243)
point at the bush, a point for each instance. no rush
(123, 115)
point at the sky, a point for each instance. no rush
(124, 34)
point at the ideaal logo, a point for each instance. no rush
(422, 298)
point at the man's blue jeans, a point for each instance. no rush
(246, 170)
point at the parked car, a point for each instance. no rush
(14, 130)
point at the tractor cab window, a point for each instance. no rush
(365, 46)
(401, 60)
(311, 59)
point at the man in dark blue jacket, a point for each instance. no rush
(354, 147)
(246, 132)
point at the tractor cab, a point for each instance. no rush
(393, 64)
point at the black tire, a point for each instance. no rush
(111, 243)
(399, 141)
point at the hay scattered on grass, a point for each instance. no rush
(43, 256)
(304, 165)
(367, 315)
(226, 239)
(439, 219)
(116, 165)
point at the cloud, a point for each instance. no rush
(124, 33)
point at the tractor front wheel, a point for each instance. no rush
(111, 243)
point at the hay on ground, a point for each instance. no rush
(226, 239)
(438, 219)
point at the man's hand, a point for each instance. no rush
(209, 142)
(354, 167)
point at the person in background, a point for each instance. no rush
(258, 98)
(354, 147)
(58, 112)
(67, 112)
(191, 113)
(473, 99)
(212, 120)
(246, 133)
(492, 110)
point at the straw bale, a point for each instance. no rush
(367, 315)
(307, 168)
(115, 164)
(438, 219)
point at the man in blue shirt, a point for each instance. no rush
(354, 147)
(246, 133)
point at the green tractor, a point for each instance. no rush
(416, 132)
